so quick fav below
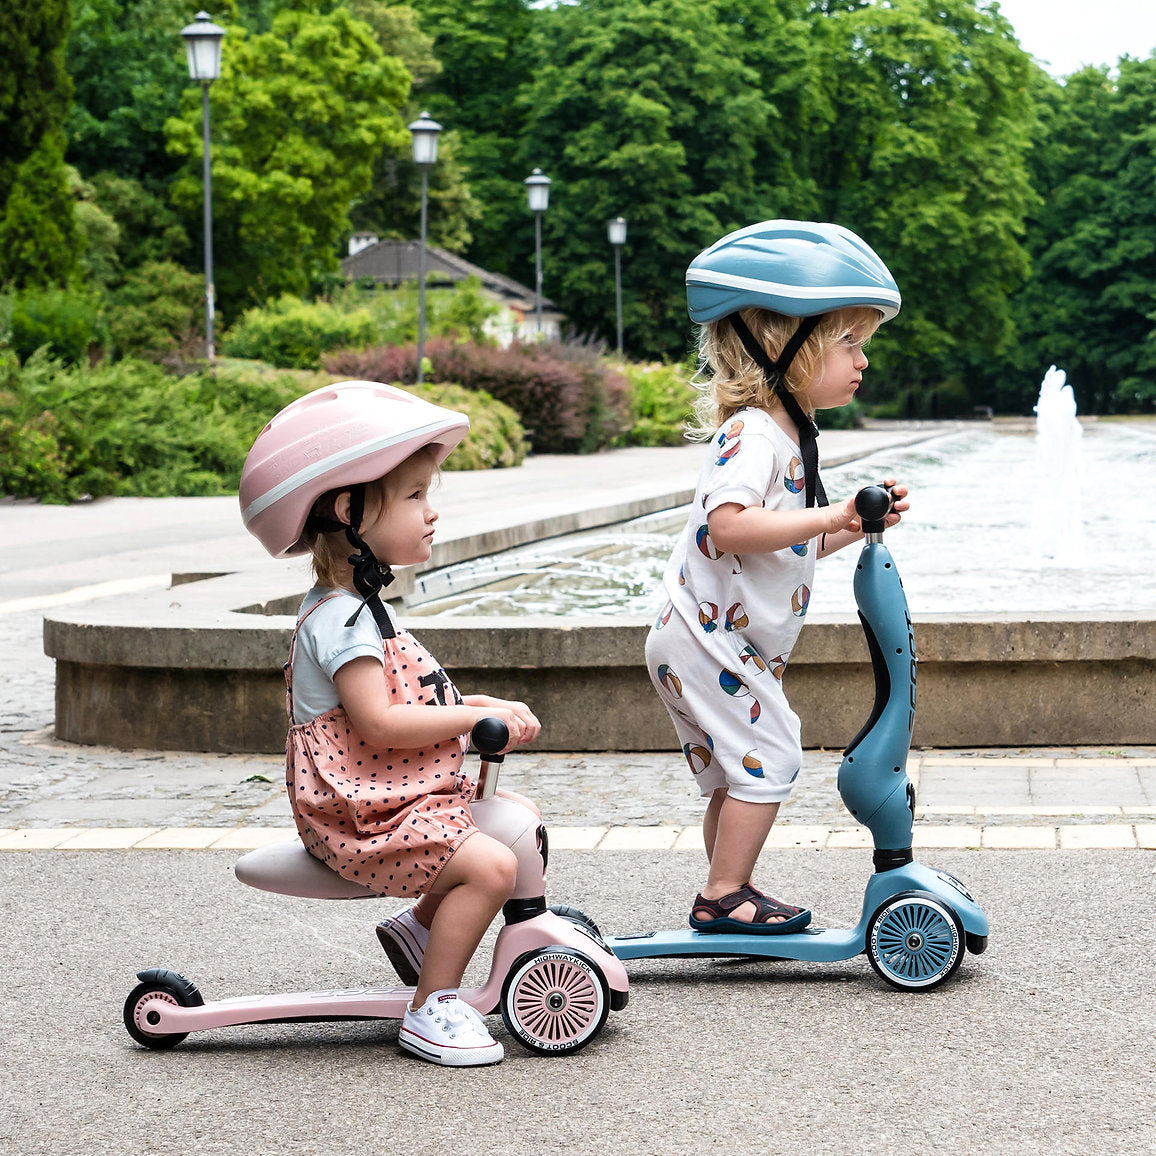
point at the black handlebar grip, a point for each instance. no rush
(873, 504)
(489, 736)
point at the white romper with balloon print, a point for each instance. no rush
(718, 650)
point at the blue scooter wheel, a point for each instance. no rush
(915, 941)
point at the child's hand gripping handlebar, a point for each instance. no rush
(489, 738)
(873, 504)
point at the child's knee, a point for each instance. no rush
(493, 864)
(506, 869)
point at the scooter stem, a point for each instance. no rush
(873, 781)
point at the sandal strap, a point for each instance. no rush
(766, 908)
(781, 908)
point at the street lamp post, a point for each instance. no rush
(203, 45)
(425, 154)
(538, 194)
(616, 233)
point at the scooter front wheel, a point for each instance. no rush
(158, 983)
(555, 1000)
(576, 916)
(915, 941)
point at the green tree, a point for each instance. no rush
(148, 227)
(100, 235)
(483, 49)
(643, 109)
(787, 44)
(34, 86)
(39, 240)
(38, 237)
(300, 114)
(392, 206)
(927, 161)
(1090, 305)
(128, 67)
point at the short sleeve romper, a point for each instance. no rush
(718, 651)
(388, 819)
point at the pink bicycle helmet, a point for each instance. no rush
(337, 436)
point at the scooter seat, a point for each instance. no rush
(288, 869)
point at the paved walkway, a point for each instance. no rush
(58, 795)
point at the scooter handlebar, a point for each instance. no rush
(873, 504)
(489, 737)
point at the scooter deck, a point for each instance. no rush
(818, 945)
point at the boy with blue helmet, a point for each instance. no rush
(784, 309)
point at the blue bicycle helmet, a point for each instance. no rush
(798, 268)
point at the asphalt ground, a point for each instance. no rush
(1044, 1042)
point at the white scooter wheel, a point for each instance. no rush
(915, 941)
(555, 1000)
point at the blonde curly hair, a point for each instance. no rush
(729, 378)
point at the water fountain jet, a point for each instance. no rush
(1057, 520)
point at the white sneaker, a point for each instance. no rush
(446, 1030)
(404, 941)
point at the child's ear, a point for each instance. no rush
(341, 507)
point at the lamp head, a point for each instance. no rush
(425, 139)
(537, 191)
(203, 45)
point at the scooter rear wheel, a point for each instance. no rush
(158, 983)
(555, 1000)
(915, 941)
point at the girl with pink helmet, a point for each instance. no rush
(377, 730)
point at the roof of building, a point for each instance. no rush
(394, 262)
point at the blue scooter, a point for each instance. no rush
(916, 920)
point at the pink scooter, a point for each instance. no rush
(553, 978)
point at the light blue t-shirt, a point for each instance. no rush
(324, 645)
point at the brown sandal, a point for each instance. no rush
(718, 911)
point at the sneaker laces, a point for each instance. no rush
(454, 1014)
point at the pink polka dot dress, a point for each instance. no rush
(388, 819)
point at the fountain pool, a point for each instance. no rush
(970, 542)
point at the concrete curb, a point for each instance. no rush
(988, 837)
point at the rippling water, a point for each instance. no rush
(969, 543)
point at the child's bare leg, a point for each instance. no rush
(470, 891)
(427, 906)
(734, 832)
(710, 821)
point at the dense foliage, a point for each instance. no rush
(1090, 304)
(39, 239)
(293, 334)
(1015, 210)
(568, 398)
(302, 113)
(130, 428)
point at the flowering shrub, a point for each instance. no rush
(568, 399)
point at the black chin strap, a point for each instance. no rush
(370, 576)
(775, 373)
